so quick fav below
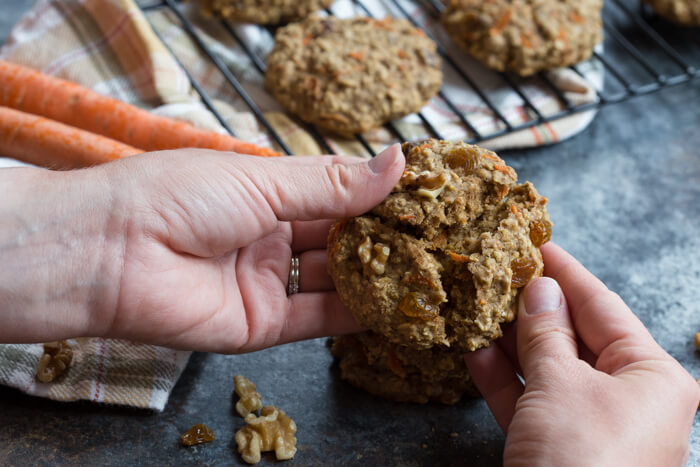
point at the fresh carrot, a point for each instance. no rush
(31, 91)
(40, 141)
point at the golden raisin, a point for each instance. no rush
(540, 232)
(418, 306)
(523, 270)
(464, 158)
(198, 434)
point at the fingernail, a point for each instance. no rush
(382, 161)
(541, 296)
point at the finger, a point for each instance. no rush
(313, 276)
(317, 314)
(327, 191)
(544, 326)
(324, 160)
(310, 235)
(495, 377)
(508, 344)
(602, 320)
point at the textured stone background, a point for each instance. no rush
(625, 197)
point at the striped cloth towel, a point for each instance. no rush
(112, 47)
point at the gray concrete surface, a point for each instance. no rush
(625, 198)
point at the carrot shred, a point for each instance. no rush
(491, 156)
(457, 257)
(575, 17)
(33, 92)
(501, 23)
(505, 169)
(46, 143)
(359, 56)
(514, 209)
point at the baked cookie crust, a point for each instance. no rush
(684, 12)
(400, 373)
(352, 75)
(264, 11)
(525, 36)
(442, 259)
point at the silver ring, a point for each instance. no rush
(293, 283)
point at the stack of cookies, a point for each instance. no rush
(435, 270)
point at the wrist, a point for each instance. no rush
(60, 243)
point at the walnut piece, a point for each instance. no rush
(697, 340)
(273, 430)
(55, 361)
(364, 251)
(375, 255)
(431, 186)
(250, 400)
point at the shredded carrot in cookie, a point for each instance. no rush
(505, 169)
(575, 17)
(457, 257)
(501, 24)
(514, 209)
(357, 55)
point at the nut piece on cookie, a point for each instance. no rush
(263, 11)
(273, 430)
(683, 12)
(370, 362)
(352, 75)
(458, 258)
(525, 36)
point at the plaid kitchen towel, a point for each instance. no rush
(111, 47)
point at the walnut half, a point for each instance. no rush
(273, 430)
(250, 400)
(55, 361)
(376, 255)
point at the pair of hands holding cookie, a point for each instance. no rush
(189, 255)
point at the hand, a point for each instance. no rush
(188, 249)
(598, 389)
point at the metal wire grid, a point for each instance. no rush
(640, 59)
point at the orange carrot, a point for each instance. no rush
(66, 102)
(43, 142)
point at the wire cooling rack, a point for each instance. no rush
(643, 54)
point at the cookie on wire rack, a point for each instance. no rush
(352, 75)
(525, 36)
(264, 11)
(684, 12)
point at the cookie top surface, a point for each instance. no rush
(685, 12)
(441, 260)
(525, 36)
(369, 361)
(352, 75)
(264, 11)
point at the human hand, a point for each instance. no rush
(191, 249)
(598, 389)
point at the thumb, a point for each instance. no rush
(332, 188)
(544, 326)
